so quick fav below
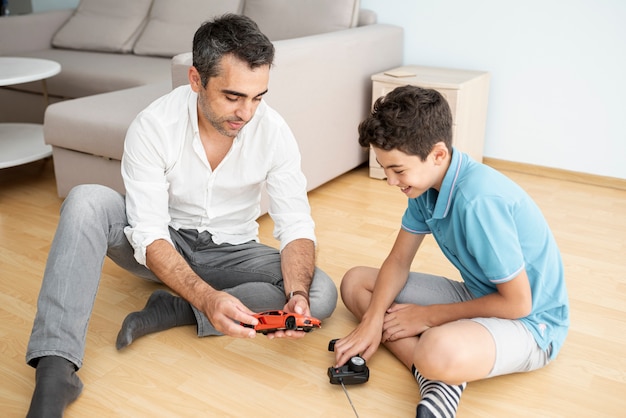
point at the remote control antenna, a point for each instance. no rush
(349, 400)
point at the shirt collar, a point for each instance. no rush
(444, 198)
(192, 106)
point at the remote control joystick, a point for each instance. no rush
(357, 364)
(355, 371)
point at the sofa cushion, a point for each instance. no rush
(287, 19)
(84, 73)
(110, 26)
(172, 24)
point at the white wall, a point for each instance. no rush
(558, 72)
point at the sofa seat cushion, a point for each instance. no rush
(86, 73)
(288, 19)
(97, 25)
(172, 24)
(97, 124)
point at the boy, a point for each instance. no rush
(509, 314)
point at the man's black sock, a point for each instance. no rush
(56, 386)
(163, 311)
(439, 400)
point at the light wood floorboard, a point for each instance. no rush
(175, 374)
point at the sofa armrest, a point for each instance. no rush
(30, 32)
(97, 124)
(180, 69)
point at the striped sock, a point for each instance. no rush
(439, 400)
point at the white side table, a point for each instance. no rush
(22, 143)
(466, 92)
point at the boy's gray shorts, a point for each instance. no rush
(516, 348)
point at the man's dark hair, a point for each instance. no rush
(410, 119)
(229, 34)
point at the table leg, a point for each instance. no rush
(44, 87)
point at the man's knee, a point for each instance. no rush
(323, 296)
(94, 204)
(92, 198)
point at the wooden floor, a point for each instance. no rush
(175, 374)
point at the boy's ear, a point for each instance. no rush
(440, 152)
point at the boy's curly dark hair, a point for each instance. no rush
(410, 119)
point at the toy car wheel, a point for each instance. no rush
(290, 323)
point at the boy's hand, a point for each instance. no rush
(362, 341)
(404, 320)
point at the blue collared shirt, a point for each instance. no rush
(491, 230)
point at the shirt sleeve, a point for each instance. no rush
(286, 188)
(143, 171)
(413, 220)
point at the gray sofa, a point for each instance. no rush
(320, 82)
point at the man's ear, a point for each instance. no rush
(194, 79)
(440, 152)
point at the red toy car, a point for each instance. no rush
(270, 321)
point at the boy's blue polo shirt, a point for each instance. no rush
(490, 229)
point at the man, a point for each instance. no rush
(509, 314)
(194, 165)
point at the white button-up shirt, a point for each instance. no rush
(169, 181)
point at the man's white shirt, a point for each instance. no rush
(169, 181)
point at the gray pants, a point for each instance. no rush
(91, 227)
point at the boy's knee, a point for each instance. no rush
(436, 356)
(354, 282)
(351, 280)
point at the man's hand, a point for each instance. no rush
(226, 312)
(223, 310)
(297, 304)
(298, 265)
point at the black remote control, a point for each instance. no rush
(355, 371)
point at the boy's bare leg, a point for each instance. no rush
(437, 354)
(436, 351)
